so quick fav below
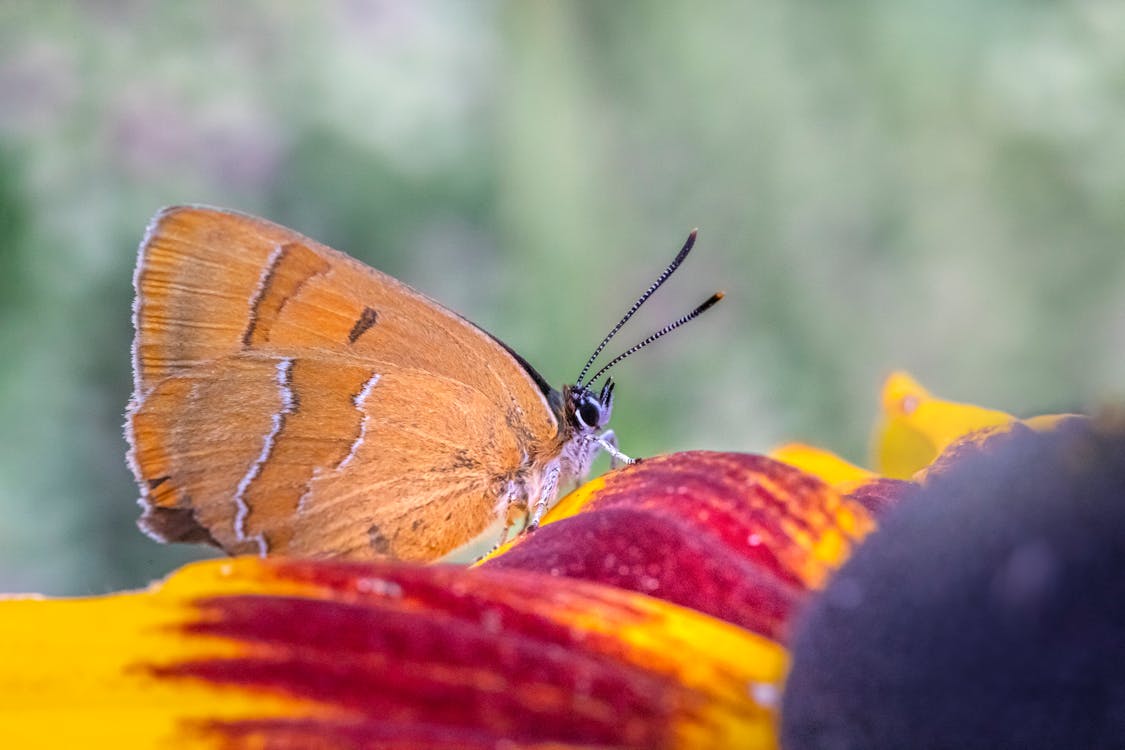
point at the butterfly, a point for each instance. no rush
(289, 399)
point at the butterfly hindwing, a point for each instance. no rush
(290, 399)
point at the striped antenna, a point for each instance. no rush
(688, 244)
(707, 305)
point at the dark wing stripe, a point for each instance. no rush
(290, 266)
(366, 319)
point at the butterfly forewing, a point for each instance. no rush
(290, 399)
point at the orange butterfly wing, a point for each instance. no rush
(290, 399)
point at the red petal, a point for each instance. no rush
(737, 536)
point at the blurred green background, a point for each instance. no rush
(931, 185)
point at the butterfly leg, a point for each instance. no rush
(547, 493)
(499, 543)
(608, 441)
(513, 507)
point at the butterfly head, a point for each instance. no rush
(584, 413)
(587, 410)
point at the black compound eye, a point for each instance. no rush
(589, 413)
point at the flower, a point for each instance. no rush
(656, 607)
(988, 610)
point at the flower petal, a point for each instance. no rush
(916, 427)
(823, 464)
(251, 653)
(875, 493)
(90, 663)
(738, 536)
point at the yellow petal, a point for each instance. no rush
(916, 427)
(1045, 422)
(830, 468)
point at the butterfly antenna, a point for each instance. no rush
(707, 305)
(640, 301)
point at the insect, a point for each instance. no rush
(289, 399)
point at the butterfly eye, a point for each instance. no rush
(589, 413)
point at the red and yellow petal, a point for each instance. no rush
(262, 654)
(739, 536)
(84, 672)
(875, 493)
